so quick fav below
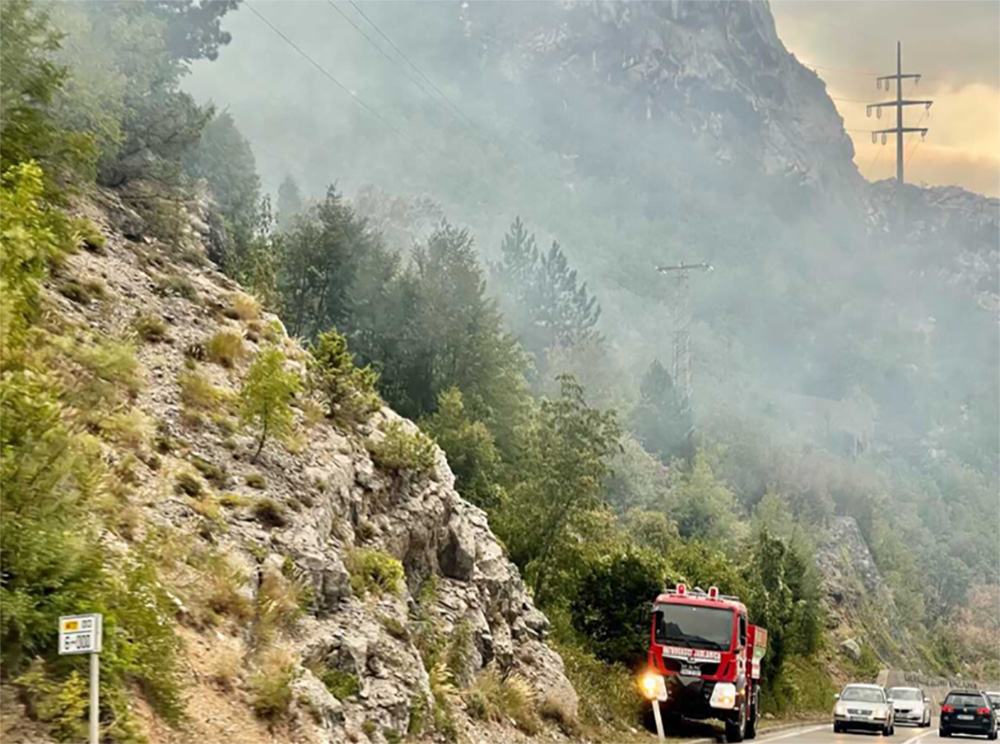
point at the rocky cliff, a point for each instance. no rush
(859, 604)
(951, 231)
(242, 543)
(716, 69)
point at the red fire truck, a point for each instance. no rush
(704, 660)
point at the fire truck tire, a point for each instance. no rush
(736, 729)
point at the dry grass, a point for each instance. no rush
(243, 307)
(493, 697)
(150, 328)
(556, 709)
(131, 429)
(225, 348)
(198, 392)
(271, 684)
(228, 666)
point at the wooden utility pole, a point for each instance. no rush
(899, 130)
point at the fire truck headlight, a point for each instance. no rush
(723, 696)
(653, 686)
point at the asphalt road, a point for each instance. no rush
(816, 734)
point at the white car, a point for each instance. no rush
(863, 707)
(910, 705)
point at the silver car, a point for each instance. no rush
(910, 705)
(864, 707)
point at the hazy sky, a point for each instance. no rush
(955, 44)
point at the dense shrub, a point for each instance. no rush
(400, 450)
(374, 571)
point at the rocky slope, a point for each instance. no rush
(954, 232)
(859, 604)
(716, 69)
(291, 520)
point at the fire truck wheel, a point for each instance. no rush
(736, 729)
(751, 732)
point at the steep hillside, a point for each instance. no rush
(327, 590)
(716, 69)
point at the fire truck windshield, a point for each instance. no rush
(694, 626)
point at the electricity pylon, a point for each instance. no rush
(681, 367)
(899, 130)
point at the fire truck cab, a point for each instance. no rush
(704, 660)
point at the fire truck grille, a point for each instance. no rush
(675, 665)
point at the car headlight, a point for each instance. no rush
(840, 710)
(723, 696)
(881, 714)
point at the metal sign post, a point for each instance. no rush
(82, 634)
(654, 687)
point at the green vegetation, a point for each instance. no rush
(265, 397)
(400, 450)
(374, 571)
(349, 392)
(150, 328)
(271, 684)
(256, 480)
(225, 348)
(341, 684)
(270, 513)
(493, 697)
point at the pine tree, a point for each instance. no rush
(661, 421)
(290, 202)
(543, 302)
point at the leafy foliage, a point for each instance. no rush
(374, 571)
(265, 397)
(661, 420)
(470, 448)
(563, 463)
(400, 450)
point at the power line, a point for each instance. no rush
(410, 63)
(917, 143)
(326, 74)
(385, 54)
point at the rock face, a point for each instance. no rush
(952, 231)
(717, 69)
(330, 499)
(858, 601)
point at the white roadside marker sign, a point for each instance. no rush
(83, 634)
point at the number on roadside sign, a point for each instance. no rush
(80, 634)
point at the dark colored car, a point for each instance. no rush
(968, 712)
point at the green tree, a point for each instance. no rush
(611, 607)
(349, 390)
(265, 397)
(467, 346)
(322, 251)
(565, 454)
(472, 455)
(30, 84)
(546, 307)
(224, 159)
(702, 506)
(661, 420)
(290, 202)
